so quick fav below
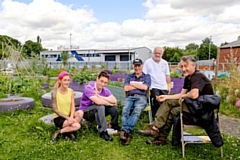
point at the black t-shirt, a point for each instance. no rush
(199, 81)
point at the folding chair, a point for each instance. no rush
(148, 108)
(184, 135)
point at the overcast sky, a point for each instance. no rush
(120, 23)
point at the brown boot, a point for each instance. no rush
(54, 136)
(127, 142)
(122, 135)
(157, 141)
(149, 131)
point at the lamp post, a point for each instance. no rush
(209, 52)
(70, 42)
(129, 62)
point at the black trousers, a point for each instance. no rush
(154, 103)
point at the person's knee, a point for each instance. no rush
(101, 108)
(115, 110)
(77, 126)
(79, 113)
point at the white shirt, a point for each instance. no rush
(158, 72)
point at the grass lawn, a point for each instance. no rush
(22, 136)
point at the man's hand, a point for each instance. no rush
(169, 88)
(161, 98)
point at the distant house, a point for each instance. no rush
(229, 52)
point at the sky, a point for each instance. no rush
(99, 24)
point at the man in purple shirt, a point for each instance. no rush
(98, 102)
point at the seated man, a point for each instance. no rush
(195, 84)
(136, 86)
(98, 102)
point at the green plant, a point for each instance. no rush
(3, 95)
(84, 76)
(231, 85)
(175, 74)
(117, 84)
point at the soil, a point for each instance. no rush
(230, 125)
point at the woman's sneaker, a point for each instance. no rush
(54, 136)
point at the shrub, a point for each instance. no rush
(230, 87)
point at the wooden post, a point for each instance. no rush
(216, 70)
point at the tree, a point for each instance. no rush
(64, 58)
(39, 40)
(172, 54)
(10, 42)
(192, 46)
(203, 51)
(222, 44)
(34, 47)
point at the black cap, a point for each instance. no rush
(137, 61)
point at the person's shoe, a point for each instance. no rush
(104, 135)
(54, 136)
(149, 126)
(116, 127)
(157, 141)
(149, 131)
(73, 137)
(127, 142)
(122, 135)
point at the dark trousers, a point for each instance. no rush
(154, 103)
(98, 113)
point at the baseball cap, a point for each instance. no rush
(137, 61)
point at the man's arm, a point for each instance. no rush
(175, 96)
(54, 104)
(72, 105)
(128, 88)
(139, 86)
(107, 101)
(168, 79)
(193, 94)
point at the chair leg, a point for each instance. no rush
(221, 151)
(150, 116)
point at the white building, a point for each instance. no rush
(114, 57)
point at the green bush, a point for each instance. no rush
(84, 76)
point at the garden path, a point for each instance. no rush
(230, 125)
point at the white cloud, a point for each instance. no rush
(165, 23)
(137, 28)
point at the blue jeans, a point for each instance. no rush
(134, 105)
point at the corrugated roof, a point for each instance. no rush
(232, 44)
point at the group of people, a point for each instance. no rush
(97, 101)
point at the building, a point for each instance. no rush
(119, 58)
(229, 53)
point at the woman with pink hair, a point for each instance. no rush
(65, 116)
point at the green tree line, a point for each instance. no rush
(28, 49)
(171, 54)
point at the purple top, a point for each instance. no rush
(89, 92)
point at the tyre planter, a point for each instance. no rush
(47, 99)
(48, 119)
(177, 85)
(12, 104)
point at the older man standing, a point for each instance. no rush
(160, 77)
(136, 87)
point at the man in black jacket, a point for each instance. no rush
(195, 84)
